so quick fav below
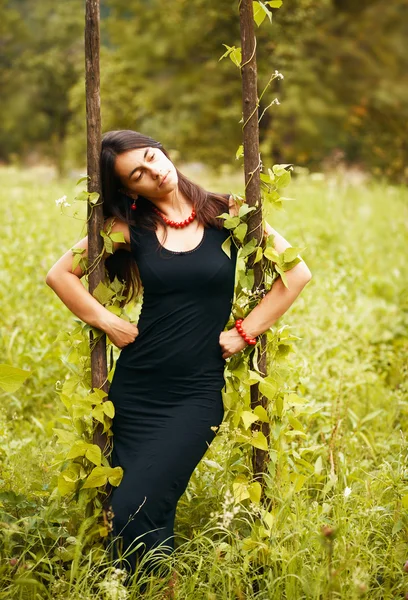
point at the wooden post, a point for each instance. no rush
(252, 168)
(95, 213)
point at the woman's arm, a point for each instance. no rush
(66, 283)
(274, 304)
(277, 301)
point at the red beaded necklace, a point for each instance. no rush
(177, 224)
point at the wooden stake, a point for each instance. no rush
(95, 213)
(252, 168)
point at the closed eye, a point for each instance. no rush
(150, 158)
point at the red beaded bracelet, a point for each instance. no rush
(249, 340)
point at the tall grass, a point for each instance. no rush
(344, 533)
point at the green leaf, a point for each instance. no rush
(223, 216)
(274, 3)
(283, 180)
(97, 392)
(93, 197)
(78, 449)
(75, 261)
(281, 169)
(290, 254)
(240, 488)
(258, 255)
(102, 293)
(232, 222)
(11, 378)
(116, 310)
(98, 413)
(244, 209)
(299, 481)
(259, 440)
(65, 487)
(234, 54)
(65, 436)
(107, 242)
(287, 266)
(236, 57)
(240, 152)
(294, 399)
(260, 12)
(294, 433)
(318, 466)
(115, 475)
(226, 246)
(82, 196)
(93, 453)
(84, 178)
(72, 473)
(255, 492)
(248, 248)
(261, 413)
(271, 254)
(282, 274)
(248, 418)
(228, 52)
(268, 519)
(118, 237)
(240, 232)
(96, 478)
(279, 405)
(268, 388)
(109, 408)
(296, 424)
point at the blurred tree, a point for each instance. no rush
(161, 75)
(345, 80)
(344, 64)
(45, 58)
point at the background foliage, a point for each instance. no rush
(343, 94)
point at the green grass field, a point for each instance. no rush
(341, 533)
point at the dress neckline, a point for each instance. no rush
(181, 251)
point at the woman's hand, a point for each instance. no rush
(231, 342)
(120, 332)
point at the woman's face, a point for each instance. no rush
(146, 171)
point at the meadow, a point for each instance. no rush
(342, 532)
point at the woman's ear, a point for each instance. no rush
(132, 195)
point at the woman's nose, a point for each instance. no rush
(155, 171)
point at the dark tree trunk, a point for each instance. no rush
(95, 213)
(252, 168)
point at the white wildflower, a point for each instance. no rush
(229, 510)
(62, 201)
(277, 74)
(275, 101)
(347, 492)
(112, 588)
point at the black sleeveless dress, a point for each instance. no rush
(167, 385)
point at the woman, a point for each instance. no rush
(168, 378)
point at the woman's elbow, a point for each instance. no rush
(52, 276)
(49, 278)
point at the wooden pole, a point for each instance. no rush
(95, 212)
(252, 168)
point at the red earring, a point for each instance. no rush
(133, 206)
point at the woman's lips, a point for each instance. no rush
(163, 180)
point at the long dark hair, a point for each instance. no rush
(206, 204)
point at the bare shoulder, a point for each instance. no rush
(268, 230)
(69, 262)
(233, 207)
(116, 225)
